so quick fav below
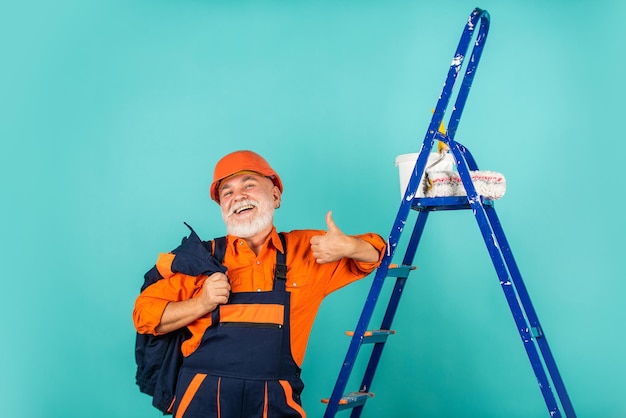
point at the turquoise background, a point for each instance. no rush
(113, 113)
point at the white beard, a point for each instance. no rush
(246, 228)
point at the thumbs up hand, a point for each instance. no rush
(333, 245)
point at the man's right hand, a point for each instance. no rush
(215, 291)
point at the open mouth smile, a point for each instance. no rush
(243, 209)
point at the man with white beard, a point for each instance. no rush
(249, 325)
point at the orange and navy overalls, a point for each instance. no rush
(243, 366)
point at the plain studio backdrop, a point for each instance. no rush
(113, 114)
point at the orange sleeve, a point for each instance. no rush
(164, 264)
(377, 242)
(330, 276)
(151, 303)
(347, 270)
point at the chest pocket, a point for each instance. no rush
(304, 297)
(252, 315)
(298, 281)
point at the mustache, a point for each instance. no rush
(243, 203)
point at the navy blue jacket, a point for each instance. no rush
(159, 357)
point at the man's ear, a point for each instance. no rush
(277, 196)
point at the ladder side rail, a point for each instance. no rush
(518, 313)
(357, 338)
(432, 132)
(472, 65)
(497, 259)
(451, 78)
(527, 304)
(390, 313)
(416, 236)
(469, 158)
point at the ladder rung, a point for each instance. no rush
(352, 400)
(446, 203)
(400, 271)
(375, 336)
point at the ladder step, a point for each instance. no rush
(446, 203)
(375, 336)
(400, 271)
(351, 400)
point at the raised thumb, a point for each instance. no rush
(332, 227)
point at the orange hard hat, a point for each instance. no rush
(241, 161)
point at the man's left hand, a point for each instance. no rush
(333, 245)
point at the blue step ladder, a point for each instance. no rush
(526, 320)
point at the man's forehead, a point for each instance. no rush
(241, 177)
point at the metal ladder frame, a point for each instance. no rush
(524, 315)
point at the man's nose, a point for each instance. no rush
(240, 194)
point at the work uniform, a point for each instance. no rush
(243, 359)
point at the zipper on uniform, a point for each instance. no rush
(250, 325)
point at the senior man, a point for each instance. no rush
(250, 325)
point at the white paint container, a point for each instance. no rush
(406, 163)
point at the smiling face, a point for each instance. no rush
(248, 202)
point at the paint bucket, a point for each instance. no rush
(406, 164)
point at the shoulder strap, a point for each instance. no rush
(280, 273)
(219, 248)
